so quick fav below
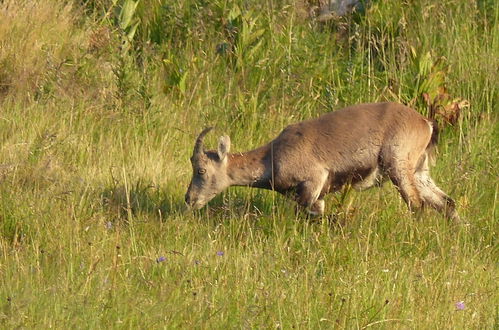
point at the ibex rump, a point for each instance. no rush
(361, 145)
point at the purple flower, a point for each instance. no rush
(160, 259)
(220, 253)
(460, 305)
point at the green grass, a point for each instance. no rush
(95, 141)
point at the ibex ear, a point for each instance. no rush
(223, 147)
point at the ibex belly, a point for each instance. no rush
(374, 178)
(359, 179)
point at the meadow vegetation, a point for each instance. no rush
(100, 103)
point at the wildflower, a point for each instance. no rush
(460, 305)
(220, 253)
(160, 259)
(109, 225)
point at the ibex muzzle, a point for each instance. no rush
(361, 145)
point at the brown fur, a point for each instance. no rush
(361, 145)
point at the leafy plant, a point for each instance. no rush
(431, 87)
(243, 37)
(175, 75)
(127, 21)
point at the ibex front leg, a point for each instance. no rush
(308, 194)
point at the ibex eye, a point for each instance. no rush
(201, 171)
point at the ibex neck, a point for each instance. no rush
(250, 168)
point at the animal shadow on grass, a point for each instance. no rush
(126, 201)
(234, 207)
(261, 206)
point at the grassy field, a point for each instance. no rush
(100, 103)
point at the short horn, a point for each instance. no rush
(198, 147)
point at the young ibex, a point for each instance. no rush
(360, 145)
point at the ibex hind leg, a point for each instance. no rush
(399, 162)
(433, 195)
(404, 180)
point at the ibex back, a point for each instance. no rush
(361, 145)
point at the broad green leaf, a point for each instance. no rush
(182, 83)
(131, 32)
(127, 13)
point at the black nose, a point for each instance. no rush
(187, 199)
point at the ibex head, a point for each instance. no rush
(209, 171)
